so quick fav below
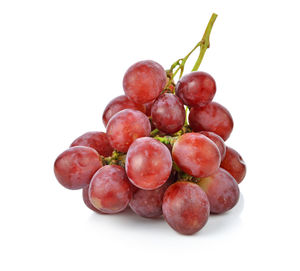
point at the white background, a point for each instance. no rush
(62, 61)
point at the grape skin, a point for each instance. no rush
(86, 200)
(148, 163)
(110, 191)
(126, 126)
(217, 140)
(144, 81)
(196, 88)
(95, 140)
(234, 164)
(118, 104)
(168, 114)
(196, 155)
(185, 207)
(212, 117)
(148, 203)
(222, 191)
(75, 167)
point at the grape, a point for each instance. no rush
(144, 81)
(212, 117)
(168, 114)
(110, 190)
(222, 191)
(148, 203)
(196, 88)
(185, 207)
(126, 126)
(148, 163)
(148, 107)
(95, 140)
(75, 167)
(86, 200)
(234, 164)
(217, 140)
(196, 155)
(117, 104)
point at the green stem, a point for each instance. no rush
(166, 139)
(204, 43)
(154, 132)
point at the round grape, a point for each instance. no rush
(126, 126)
(75, 167)
(148, 163)
(168, 114)
(117, 104)
(234, 164)
(86, 200)
(110, 190)
(148, 107)
(148, 203)
(212, 117)
(95, 140)
(185, 207)
(196, 88)
(217, 140)
(196, 155)
(222, 191)
(144, 81)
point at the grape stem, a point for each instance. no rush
(203, 44)
(166, 139)
(117, 158)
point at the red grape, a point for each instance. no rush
(110, 190)
(168, 114)
(212, 117)
(234, 164)
(217, 140)
(185, 207)
(144, 81)
(196, 88)
(86, 200)
(75, 167)
(126, 126)
(196, 155)
(117, 104)
(148, 107)
(148, 163)
(95, 140)
(222, 191)
(148, 203)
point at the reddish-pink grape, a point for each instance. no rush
(118, 104)
(217, 140)
(144, 81)
(75, 167)
(196, 88)
(148, 203)
(196, 155)
(222, 191)
(148, 107)
(86, 200)
(185, 207)
(212, 117)
(168, 114)
(110, 191)
(126, 126)
(148, 163)
(95, 140)
(234, 164)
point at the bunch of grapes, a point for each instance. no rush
(163, 152)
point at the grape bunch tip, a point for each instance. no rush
(163, 153)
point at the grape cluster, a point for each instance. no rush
(163, 153)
